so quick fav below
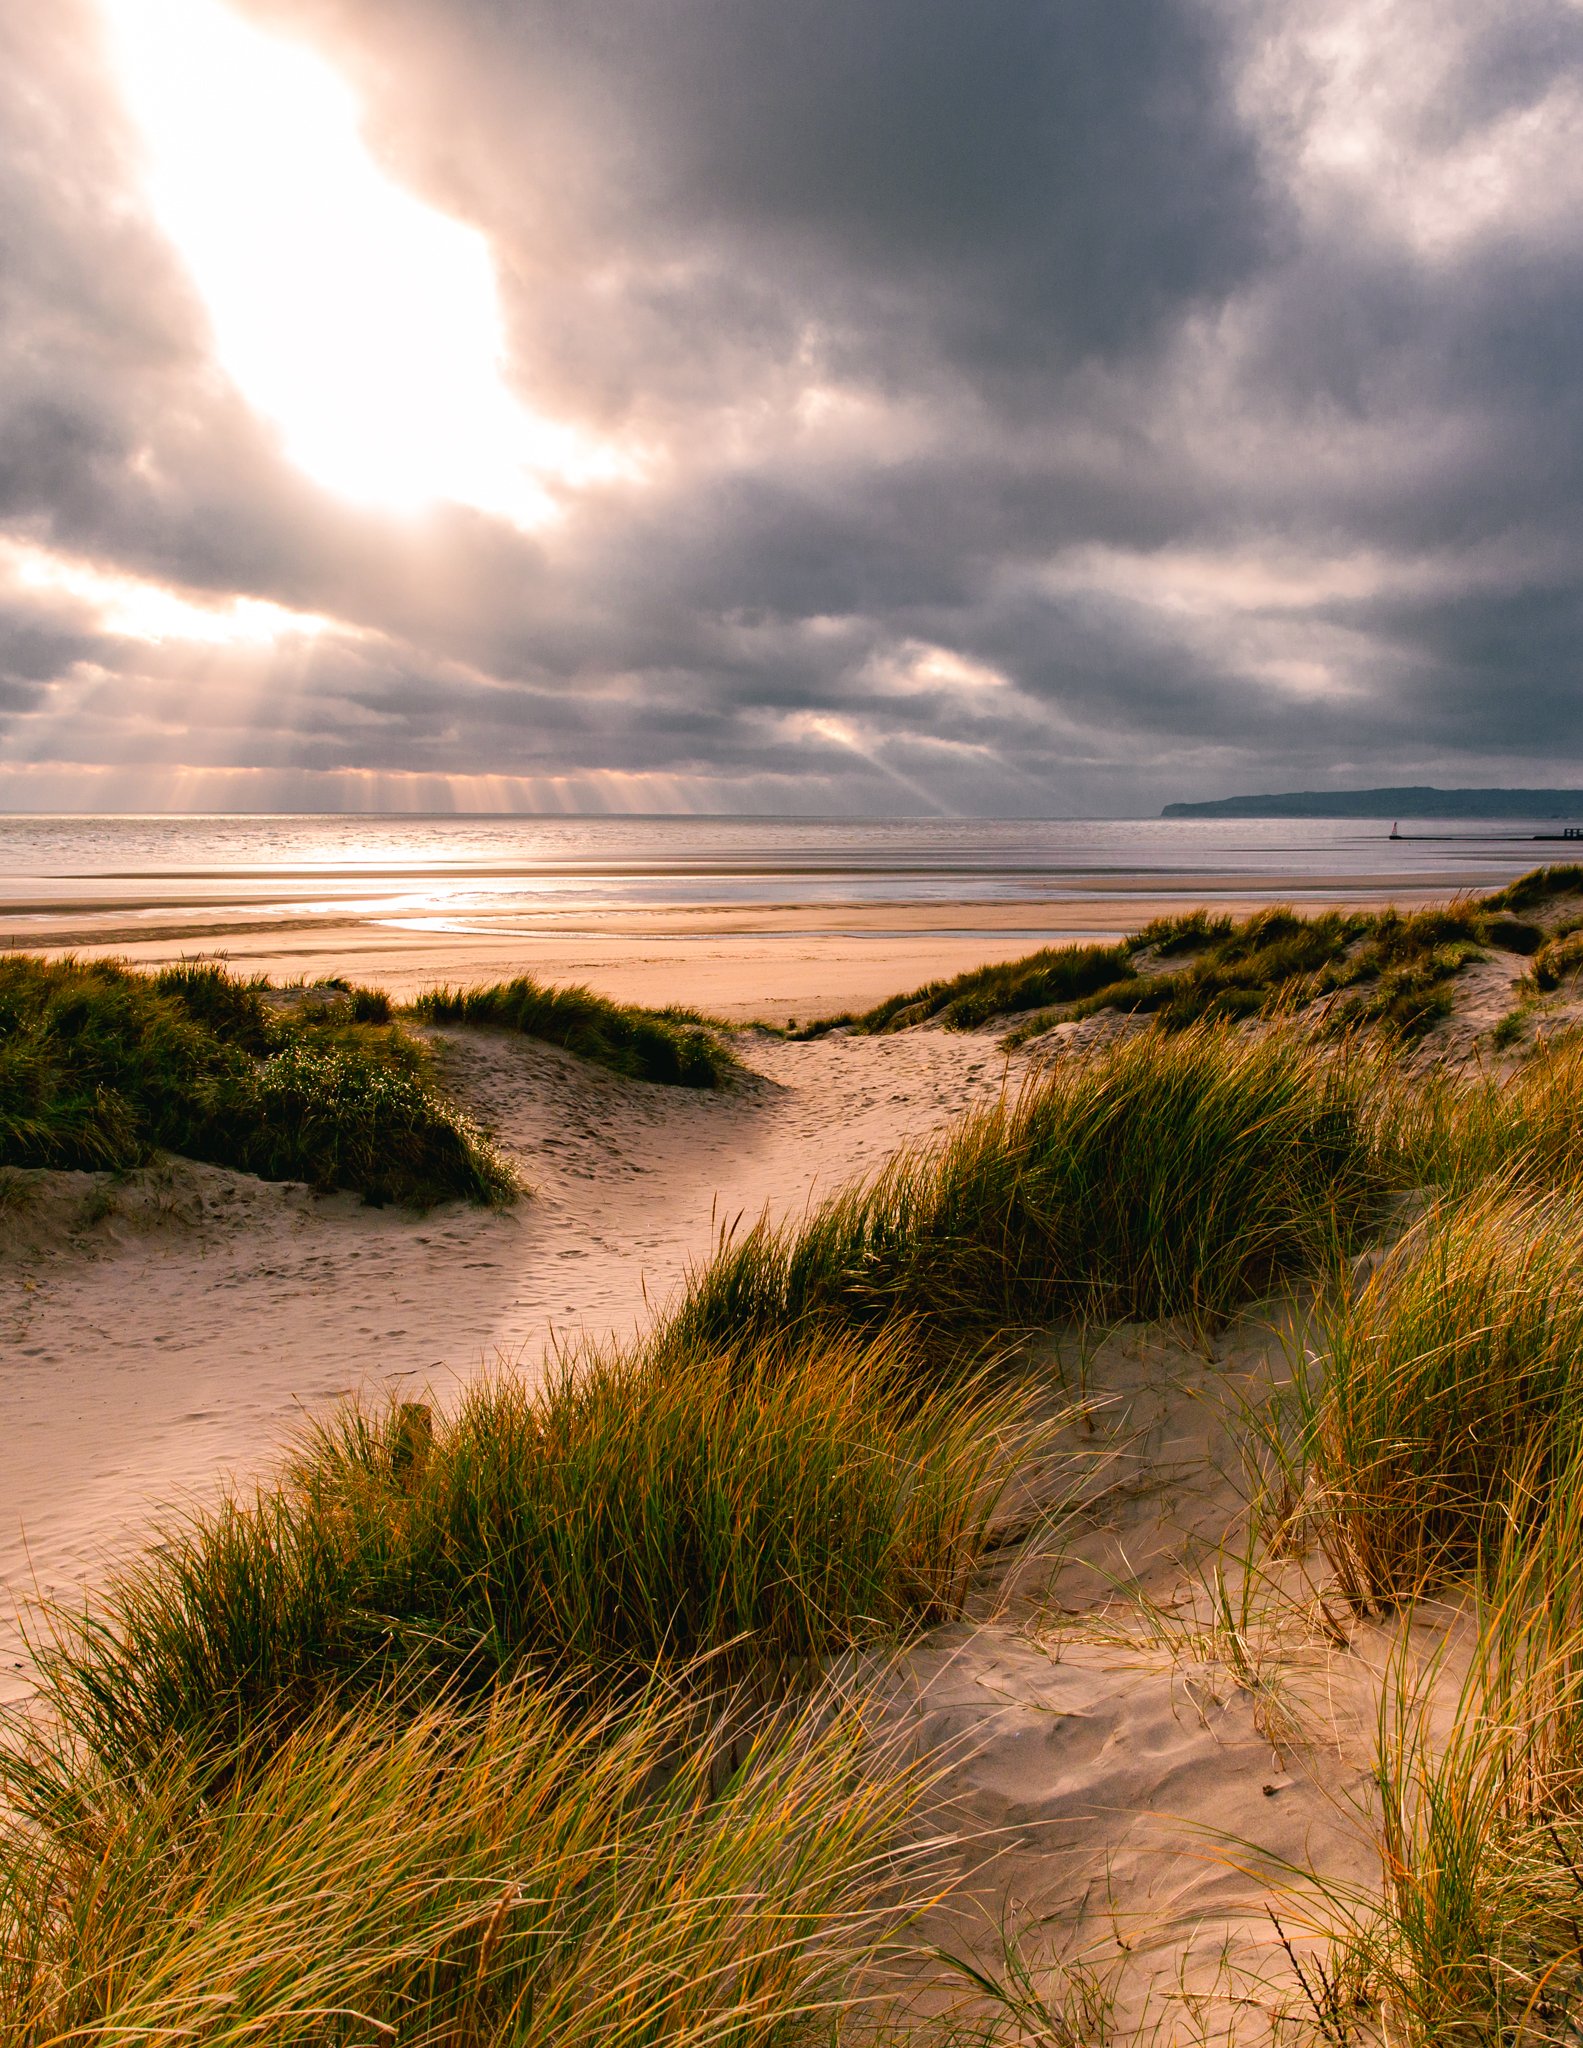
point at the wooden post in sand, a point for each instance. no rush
(409, 1454)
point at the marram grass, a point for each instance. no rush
(1473, 1936)
(101, 1065)
(522, 1872)
(1447, 1459)
(416, 1745)
(1383, 968)
(1172, 1175)
(409, 1747)
(1452, 1389)
(674, 1046)
(1054, 974)
(773, 1475)
(1527, 1123)
(639, 1510)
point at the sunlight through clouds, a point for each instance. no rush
(131, 608)
(364, 324)
(840, 409)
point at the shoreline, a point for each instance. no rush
(738, 963)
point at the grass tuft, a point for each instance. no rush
(1511, 1027)
(1475, 1935)
(516, 1873)
(1451, 1393)
(1538, 888)
(100, 1066)
(1379, 968)
(1169, 1176)
(1522, 1124)
(1056, 974)
(1195, 932)
(674, 1046)
(641, 1508)
(1558, 959)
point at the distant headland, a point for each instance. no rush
(1419, 801)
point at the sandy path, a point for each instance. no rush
(185, 1333)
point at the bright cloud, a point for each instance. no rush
(363, 323)
(902, 406)
(133, 608)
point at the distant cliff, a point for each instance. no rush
(1418, 802)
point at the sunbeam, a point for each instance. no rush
(363, 323)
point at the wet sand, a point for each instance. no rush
(742, 964)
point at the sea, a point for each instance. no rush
(121, 876)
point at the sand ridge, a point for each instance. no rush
(1158, 1733)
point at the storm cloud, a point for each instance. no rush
(1038, 406)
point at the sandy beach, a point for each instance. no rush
(1123, 1777)
(802, 961)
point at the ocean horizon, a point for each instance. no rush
(119, 874)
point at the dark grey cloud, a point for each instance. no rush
(899, 186)
(1043, 404)
(1031, 182)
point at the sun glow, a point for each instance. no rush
(132, 609)
(363, 323)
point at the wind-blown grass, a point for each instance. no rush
(515, 1874)
(1475, 1936)
(774, 1475)
(1557, 960)
(641, 1508)
(412, 1741)
(1451, 1392)
(1377, 968)
(1055, 974)
(1523, 1124)
(1170, 1176)
(1538, 888)
(674, 1046)
(100, 1066)
(408, 1746)
(1533, 1118)
(1365, 968)
(1381, 968)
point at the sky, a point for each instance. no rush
(862, 407)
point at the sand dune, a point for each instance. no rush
(1137, 1786)
(169, 1330)
(1153, 1745)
